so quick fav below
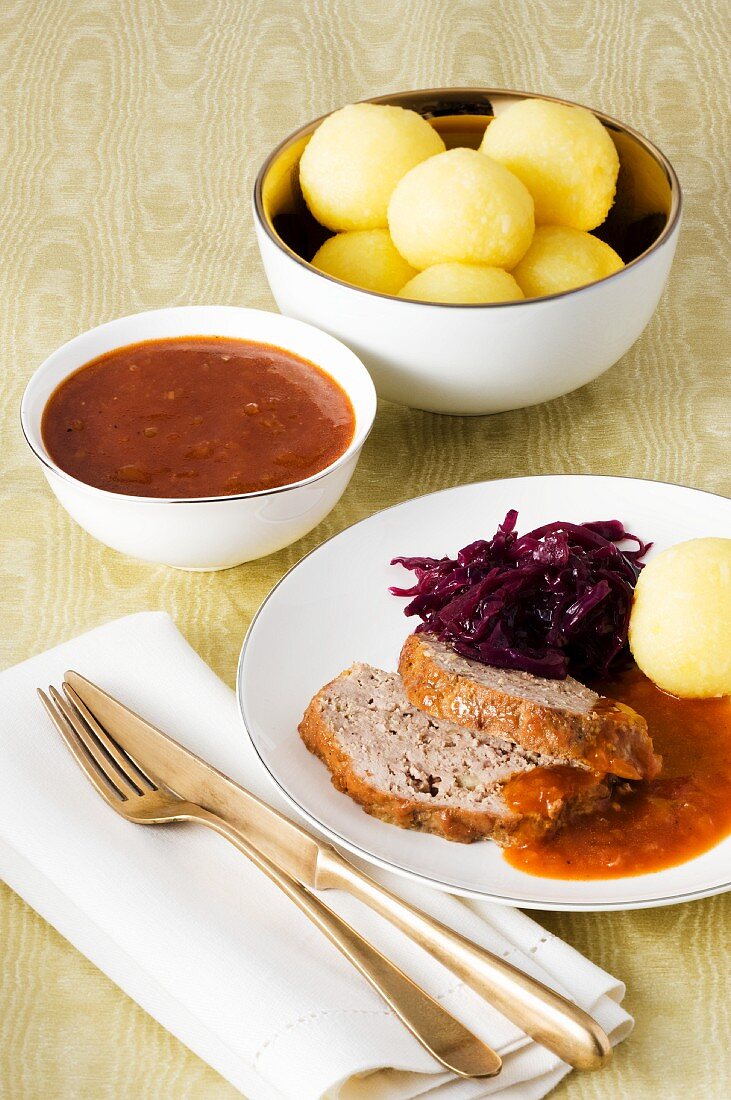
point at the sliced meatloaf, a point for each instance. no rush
(410, 769)
(559, 717)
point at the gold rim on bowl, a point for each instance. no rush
(458, 113)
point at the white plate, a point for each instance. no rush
(334, 608)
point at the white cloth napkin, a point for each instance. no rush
(204, 942)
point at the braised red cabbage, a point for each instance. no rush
(551, 602)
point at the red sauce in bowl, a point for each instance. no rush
(656, 823)
(196, 416)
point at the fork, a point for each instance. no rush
(141, 797)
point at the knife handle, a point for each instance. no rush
(546, 1016)
(446, 1039)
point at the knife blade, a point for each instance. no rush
(284, 842)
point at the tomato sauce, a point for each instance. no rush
(196, 416)
(656, 823)
(539, 790)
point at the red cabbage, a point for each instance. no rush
(552, 602)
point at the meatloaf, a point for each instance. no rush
(558, 717)
(420, 772)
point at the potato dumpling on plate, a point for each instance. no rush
(560, 259)
(466, 284)
(680, 626)
(366, 258)
(461, 206)
(355, 158)
(563, 155)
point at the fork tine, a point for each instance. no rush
(129, 768)
(109, 792)
(109, 769)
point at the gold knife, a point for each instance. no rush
(544, 1015)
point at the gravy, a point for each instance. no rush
(196, 416)
(656, 823)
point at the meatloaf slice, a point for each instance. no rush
(559, 717)
(419, 772)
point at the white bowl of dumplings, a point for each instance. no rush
(479, 249)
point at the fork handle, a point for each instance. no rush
(545, 1015)
(437, 1030)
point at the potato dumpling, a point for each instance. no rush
(364, 257)
(355, 158)
(462, 207)
(563, 155)
(560, 258)
(465, 283)
(680, 626)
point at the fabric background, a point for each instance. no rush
(130, 135)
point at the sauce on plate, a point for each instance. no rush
(656, 823)
(536, 791)
(196, 416)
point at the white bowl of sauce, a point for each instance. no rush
(199, 437)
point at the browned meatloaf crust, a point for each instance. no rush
(419, 772)
(559, 717)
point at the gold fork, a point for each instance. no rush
(139, 796)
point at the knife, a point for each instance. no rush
(541, 1013)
